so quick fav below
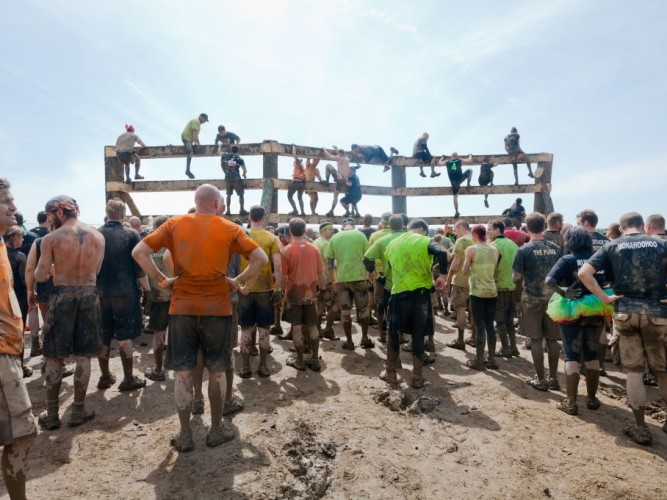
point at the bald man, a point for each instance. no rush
(201, 245)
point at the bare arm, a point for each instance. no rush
(587, 277)
(142, 254)
(44, 265)
(470, 256)
(168, 262)
(256, 260)
(277, 271)
(141, 143)
(327, 154)
(195, 136)
(30, 265)
(516, 276)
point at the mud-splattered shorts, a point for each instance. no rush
(327, 299)
(189, 333)
(458, 297)
(301, 314)
(232, 185)
(642, 338)
(16, 419)
(256, 308)
(353, 292)
(159, 316)
(411, 312)
(73, 323)
(535, 323)
(121, 318)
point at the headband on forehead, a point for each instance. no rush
(325, 226)
(62, 201)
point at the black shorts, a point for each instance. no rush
(121, 318)
(350, 199)
(256, 308)
(456, 181)
(301, 314)
(43, 290)
(235, 185)
(296, 187)
(127, 157)
(73, 323)
(188, 333)
(485, 180)
(424, 156)
(158, 319)
(411, 312)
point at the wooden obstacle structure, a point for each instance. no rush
(270, 150)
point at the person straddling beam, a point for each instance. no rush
(423, 155)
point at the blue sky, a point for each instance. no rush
(584, 80)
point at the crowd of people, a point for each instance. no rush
(203, 279)
(345, 175)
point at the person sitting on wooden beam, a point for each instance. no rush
(420, 152)
(372, 153)
(298, 184)
(456, 175)
(514, 150)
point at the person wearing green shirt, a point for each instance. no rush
(327, 299)
(378, 285)
(505, 303)
(377, 252)
(410, 258)
(457, 282)
(344, 257)
(481, 261)
(190, 137)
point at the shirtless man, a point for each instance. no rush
(125, 152)
(73, 323)
(17, 424)
(340, 175)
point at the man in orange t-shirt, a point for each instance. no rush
(17, 424)
(201, 245)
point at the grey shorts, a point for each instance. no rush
(642, 339)
(353, 292)
(535, 323)
(189, 147)
(16, 419)
(210, 333)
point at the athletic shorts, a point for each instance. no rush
(189, 147)
(353, 292)
(378, 290)
(326, 298)
(296, 187)
(256, 308)
(121, 318)
(16, 419)
(485, 180)
(424, 156)
(301, 314)
(234, 185)
(458, 296)
(581, 337)
(535, 323)
(642, 339)
(127, 157)
(350, 199)
(411, 312)
(457, 181)
(73, 323)
(158, 318)
(189, 333)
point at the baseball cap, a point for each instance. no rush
(205, 116)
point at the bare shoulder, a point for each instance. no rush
(85, 230)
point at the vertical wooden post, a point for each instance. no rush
(268, 198)
(113, 172)
(398, 203)
(542, 201)
(270, 172)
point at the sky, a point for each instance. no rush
(581, 79)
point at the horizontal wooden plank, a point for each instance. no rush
(283, 184)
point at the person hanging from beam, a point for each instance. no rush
(456, 175)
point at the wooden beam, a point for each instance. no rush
(283, 184)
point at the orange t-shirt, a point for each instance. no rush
(11, 324)
(201, 247)
(299, 174)
(302, 265)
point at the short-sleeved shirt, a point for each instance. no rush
(230, 137)
(565, 271)
(410, 263)
(512, 143)
(377, 251)
(420, 146)
(534, 260)
(269, 243)
(11, 324)
(454, 169)
(516, 211)
(599, 240)
(302, 266)
(190, 128)
(637, 265)
(119, 273)
(231, 166)
(354, 190)
(126, 142)
(459, 278)
(347, 248)
(554, 237)
(321, 244)
(507, 250)
(368, 231)
(517, 236)
(201, 247)
(380, 233)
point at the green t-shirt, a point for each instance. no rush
(507, 250)
(377, 252)
(410, 263)
(460, 279)
(375, 237)
(190, 127)
(347, 248)
(321, 244)
(482, 272)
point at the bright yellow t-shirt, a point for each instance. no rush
(269, 243)
(190, 127)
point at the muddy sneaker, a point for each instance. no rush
(218, 435)
(243, 212)
(422, 174)
(386, 168)
(554, 385)
(456, 344)
(515, 353)
(435, 174)
(263, 371)
(286, 336)
(189, 174)
(429, 345)
(198, 406)
(48, 422)
(138, 177)
(538, 384)
(245, 372)
(276, 330)
(348, 345)
(233, 405)
(314, 364)
(476, 364)
(650, 379)
(593, 403)
(80, 416)
(27, 372)
(131, 384)
(470, 341)
(504, 352)
(383, 336)
(293, 212)
(36, 350)
(568, 407)
(328, 333)
(428, 359)
(155, 375)
(183, 443)
(106, 381)
(640, 435)
(294, 362)
(367, 343)
(389, 376)
(254, 351)
(330, 213)
(491, 364)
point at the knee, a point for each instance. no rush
(263, 339)
(571, 367)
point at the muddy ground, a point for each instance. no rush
(341, 434)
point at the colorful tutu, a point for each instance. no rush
(564, 310)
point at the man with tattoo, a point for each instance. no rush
(73, 323)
